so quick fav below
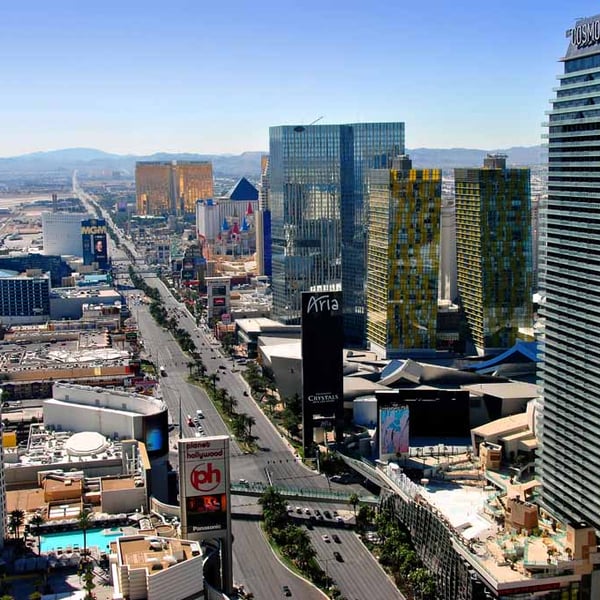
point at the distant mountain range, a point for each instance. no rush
(246, 164)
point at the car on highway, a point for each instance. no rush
(336, 538)
(200, 414)
(286, 591)
(338, 557)
(327, 514)
(190, 421)
(326, 538)
(299, 510)
(307, 511)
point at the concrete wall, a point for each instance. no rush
(123, 501)
(77, 417)
(25, 475)
(181, 581)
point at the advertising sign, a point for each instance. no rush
(433, 412)
(204, 484)
(393, 432)
(322, 360)
(93, 239)
(156, 433)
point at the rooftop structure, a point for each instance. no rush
(156, 568)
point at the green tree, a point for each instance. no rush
(239, 426)
(84, 520)
(37, 521)
(16, 519)
(250, 422)
(274, 509)
(353, 500)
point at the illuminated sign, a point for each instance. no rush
(585, 34)
(93, 230)
(393, 431)
(322, 368)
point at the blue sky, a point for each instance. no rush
(199, 76)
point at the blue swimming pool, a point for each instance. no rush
(100, 538)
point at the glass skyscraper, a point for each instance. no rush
(403, 258)
(317, 196)
(569, 422)
(493, 251)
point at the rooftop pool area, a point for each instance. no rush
(101, 538)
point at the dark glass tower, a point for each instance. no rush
(570, 409)
(317, 195)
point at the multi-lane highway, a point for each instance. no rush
(359, 576)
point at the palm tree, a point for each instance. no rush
(190, 366)
(84, 520)
(250, 422)
(17, 517)
(239, 425)
(37, 521)
(354, 500)
(213, 377)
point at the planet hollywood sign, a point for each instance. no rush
(585, 34)
(205, 467)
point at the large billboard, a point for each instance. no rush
(434, 413)
(204, 487)
(393, 430)
(93, 238)
(322, 362)
(156, 433)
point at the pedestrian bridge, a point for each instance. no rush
(257, 489)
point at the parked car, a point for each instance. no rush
(338, 557)
(286, 591)
(336, 538)
(326, 538)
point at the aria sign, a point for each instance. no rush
(585, 34)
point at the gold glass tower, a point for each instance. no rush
(164, 187)
(403, 251)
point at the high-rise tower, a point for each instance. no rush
(317, 197)
(569, 267)
(493, 251)
(403, 258)
(165, 187)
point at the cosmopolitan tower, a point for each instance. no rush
(570, 267)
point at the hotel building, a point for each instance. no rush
(569, 267)
(318, 204)
(403, 261)
(493, 250)
(172, 187)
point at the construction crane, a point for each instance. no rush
(315, 121)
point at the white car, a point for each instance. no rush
(326, 538)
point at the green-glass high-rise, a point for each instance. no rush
(493, 251)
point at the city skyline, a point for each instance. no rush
(141, 78)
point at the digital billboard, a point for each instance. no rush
(322, 362)
(204, 486)
(433, 412)
(393, 431)
(94, 242)
(156, 433)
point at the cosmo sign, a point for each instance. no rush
(204, 462)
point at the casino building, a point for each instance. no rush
(569, 267)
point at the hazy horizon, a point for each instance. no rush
(146, 77)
